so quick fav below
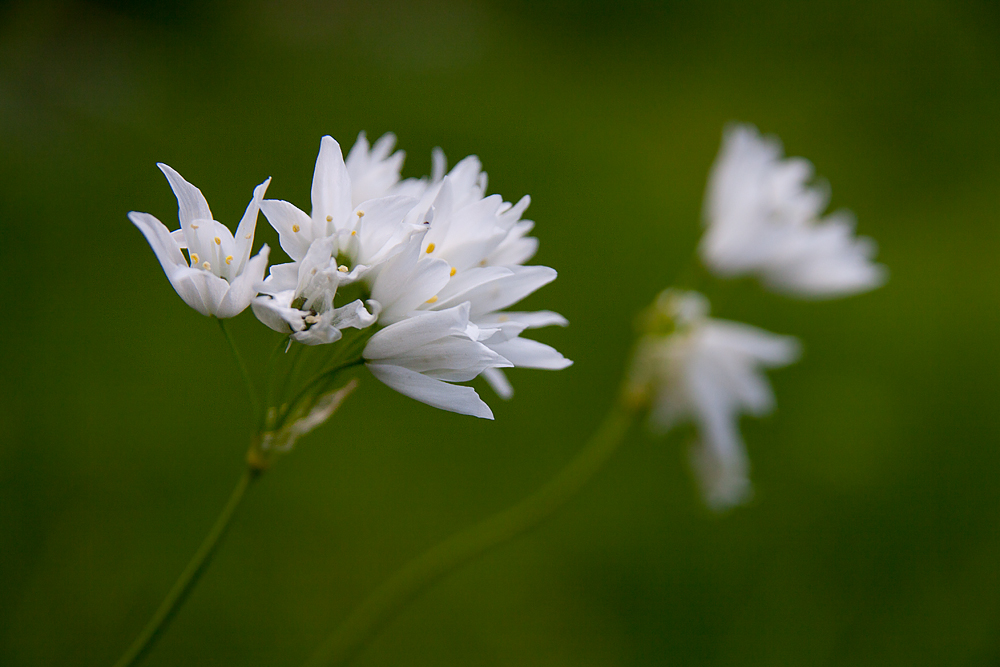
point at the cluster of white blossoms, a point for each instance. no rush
(762, 219)
(425, 268)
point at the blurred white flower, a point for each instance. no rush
(709, 371)
(763, 219)
(218, 277)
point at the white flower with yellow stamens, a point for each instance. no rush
(763, 219)
(218, 277)
(692, 367)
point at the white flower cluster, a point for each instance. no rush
(427, 267)
(763, 220)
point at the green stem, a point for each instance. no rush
(328, 374)
(389, 599)
(189, 577)
(254, 402)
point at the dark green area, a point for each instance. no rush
(873, 537)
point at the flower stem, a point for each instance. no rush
(254, 402)
(189, 577)
(389, 599)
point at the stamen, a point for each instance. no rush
(311, 319)
(329, 218)
(453, 271)
(430, 248)
(343, 269)
(361, 214)
(295, 228)
(433, 299)
(229, 259)
(482, 263)
(313, 272)
(194, 258)
(218, 241)
(503, 318)
(206, 266)
(354, 232)
(248, 237)
(194, 226)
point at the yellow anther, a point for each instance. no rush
(194, 258)
(482, 263)
(329, 218)
(313, 272)
(430, 248)
(361, 214)
(503, 318)
(343, 269)
(311, 319)
(194, 226)
(229, 259)
(248, 237)
(295, 228)
(354, 232)
(433, 299)
(206, 266)
(453, 271)
(218, 241)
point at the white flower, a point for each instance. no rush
(763, 219)
(220, 277)
(709, 371)
(448, 250)
(298, 299)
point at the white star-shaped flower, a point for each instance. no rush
(218, 277)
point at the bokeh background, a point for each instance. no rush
(873, 536)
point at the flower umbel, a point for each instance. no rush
(689, 366)
(429, 264)
(218, 277)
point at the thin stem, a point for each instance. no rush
(389, 599)
(254, 401)
(189, 577)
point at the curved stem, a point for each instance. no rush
(254, 401)
(189, 577)
(389, 599)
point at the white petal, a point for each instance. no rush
(243, 289)
(160, 239)
(496, 379)
(416, 331)
(191, 203)
(331, 187)
(285, 218)
(525, 353)
(247, 227)
(454, 398)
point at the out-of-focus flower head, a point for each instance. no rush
(764, 219)
(690, 367)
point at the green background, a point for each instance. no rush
(873, 536)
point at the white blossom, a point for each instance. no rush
(218, 276)
(695, 368)
(436, 246)
(764, 219)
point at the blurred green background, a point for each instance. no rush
(873, 536)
